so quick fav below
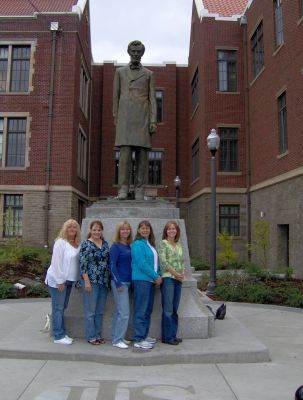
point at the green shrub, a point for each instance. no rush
(227, 256)
(38, 291)
(294, 297)
(7, 290)
(258, 294)
(199, 264)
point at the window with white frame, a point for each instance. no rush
(84, 90)
(257, 50)
(14, 68)
(229, 150)
(195, 160)
(13, 214)
(82, 155)
(227, 70)
(195, 90)
(278, 22)
(282, 116)
(159, 102)
(12, 142)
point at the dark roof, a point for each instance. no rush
(29, 7)
(225, 8)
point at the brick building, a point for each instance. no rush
(244, 78)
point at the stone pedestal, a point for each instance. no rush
(194, 318)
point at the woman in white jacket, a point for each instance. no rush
(61, 275)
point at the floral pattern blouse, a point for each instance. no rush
(94, 261)
(170, 256)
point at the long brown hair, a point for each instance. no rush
(151, 237)
(167, 225)
(96, 222)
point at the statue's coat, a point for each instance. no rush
(134, 106)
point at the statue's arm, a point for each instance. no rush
(116, 95)
(152, 105)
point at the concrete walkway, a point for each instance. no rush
(210, 369)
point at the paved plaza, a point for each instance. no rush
(33, 368)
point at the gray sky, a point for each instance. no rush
(162, 25)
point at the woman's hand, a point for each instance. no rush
(158, 281)
(120, 289)
(179, 276)
(61, 287)
(87, 287)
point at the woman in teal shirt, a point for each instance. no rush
(145, 275)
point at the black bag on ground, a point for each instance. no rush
(220, 313)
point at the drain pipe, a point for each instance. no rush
(243, 22)
(54, 27)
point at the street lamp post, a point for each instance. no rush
(177, 183)
(213, 143)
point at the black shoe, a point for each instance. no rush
(178, 339)
(173, 342)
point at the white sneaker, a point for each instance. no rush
(121, 345)
(151, 340)
(63, 341)
(127, 341)
(69, 338)
(143, 345)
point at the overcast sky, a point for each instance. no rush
(162, 25)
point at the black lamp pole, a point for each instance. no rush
(213, 143)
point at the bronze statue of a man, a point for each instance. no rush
(135, 117)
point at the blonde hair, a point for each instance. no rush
(117, 237)
(63, 231)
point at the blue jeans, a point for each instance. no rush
(171, 294)
(144, 293)
(94, 304)
(121, 315)
(59, 304)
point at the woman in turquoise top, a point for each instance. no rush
(145, 276)
(172, 269)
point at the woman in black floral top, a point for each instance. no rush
(94, 268)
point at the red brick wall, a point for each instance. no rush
(66, 112)
(284, 69)
(215, 108)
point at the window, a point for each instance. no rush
(227, 70)
(159, 101)
(229, 152)
(282, 116)
(13, 210)
(1, 140)
(12, 142)
(154, 167)
(14, 68)
(229, 219)
(195, 160)
(257, 48)
(82, 155)
(278, 22)
(84, 90)
(195, 91)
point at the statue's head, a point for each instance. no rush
(136, 50)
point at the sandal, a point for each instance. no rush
(100, 341)
(94, 342)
